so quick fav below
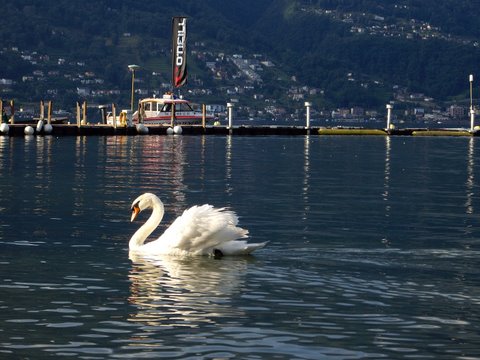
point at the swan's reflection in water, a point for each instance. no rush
(188, 292)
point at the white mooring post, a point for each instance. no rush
(472, 110)
(230, 115)
(49, 112)
(42, 110)
(78, 114)
(12, 110)
(308, 105)
(389, 116)
(48, 128)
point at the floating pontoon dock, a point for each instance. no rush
(108, 130)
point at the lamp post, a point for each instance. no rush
(389, 117)
(308, 105)
(230, 115)
(133, 68)
(472, 109)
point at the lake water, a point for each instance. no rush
(374, 248)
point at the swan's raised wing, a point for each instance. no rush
(200, 229)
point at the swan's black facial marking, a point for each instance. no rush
(135, 211)
(135, 205)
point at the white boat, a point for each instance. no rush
(158, 111)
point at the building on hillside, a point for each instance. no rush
(456, 111)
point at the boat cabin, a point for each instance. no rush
(161, 105)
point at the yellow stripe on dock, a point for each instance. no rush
(442, 133)
(351, 132)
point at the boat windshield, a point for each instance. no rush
(178, 107)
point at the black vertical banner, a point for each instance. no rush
(179, 51)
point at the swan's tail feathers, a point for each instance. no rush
(252, 247)
(240, 247)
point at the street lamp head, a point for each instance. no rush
(133, 67)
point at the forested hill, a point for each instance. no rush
(354, 51)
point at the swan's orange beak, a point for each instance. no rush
(135, 212)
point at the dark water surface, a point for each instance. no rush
(374, 248)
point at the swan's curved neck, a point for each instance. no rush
(146, 229)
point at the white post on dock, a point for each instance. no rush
(172, 115)
(78, 114)
(3, 125)
(49, 112)
(41, 119)
(230, 115)
(84, 113)
(12, 110)
(47, 128)
(389, 116)
(204, 115)
(42, 110)
(307, 106)
(114, 116)
(472, 110)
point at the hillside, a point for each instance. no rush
(336, 53)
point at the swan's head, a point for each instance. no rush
(145, 201)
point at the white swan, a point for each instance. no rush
(200, 230)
